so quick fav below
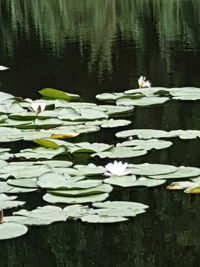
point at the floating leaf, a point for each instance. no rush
(181, 173)
(102, 219)
(145, 101)
(54, 93)
(7, 202)
(142, 133)
(125, 181)
(40, 153)
(193, 190)
(151, 169)
(40, 216)
(75, 200)
(27, 183)
(56, 181)
(146, 144)
(120, 204)
(120, 152)
(181, 185)
(27, 171)
(130, 181)
(10, 230)
(90, 169)
(83, 192)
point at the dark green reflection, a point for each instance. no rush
(156, 32)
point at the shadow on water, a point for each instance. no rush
(88, 47)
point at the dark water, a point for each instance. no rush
(88, 47)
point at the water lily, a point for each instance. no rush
(116, 168)
(38, 107)
(143, 83)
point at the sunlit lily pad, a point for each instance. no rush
(145, 101)
(142, 133)
(90, 169)
(40, 153)
(75, 200)
(7, 202)
(146, 144)
(83, 192)
(56, 181)
(19, 171)
(120, 152)
(181, 173)
(181, 185)
(40, 216)
(27, 183)
(10, 230)
(130, 181)
(102, 219)
(151, 169)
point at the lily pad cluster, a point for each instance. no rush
(75, 191)
(156, 134)
(64, 116)
(150, 96)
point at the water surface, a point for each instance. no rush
(88, 47)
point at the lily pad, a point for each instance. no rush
(145, 101)
(56, 181)
(120, 152)
(54, 93)
(147, 169)
(83, 192)
(40, 216)
(75, 200)
(26, 183)
(7, 202)
(40, 153)
(181, 173)
(10, 230)
(146, 144)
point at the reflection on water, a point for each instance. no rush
(152, 34)
(91, 47)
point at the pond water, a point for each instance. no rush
(90, 47)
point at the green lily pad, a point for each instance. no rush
(54, 93)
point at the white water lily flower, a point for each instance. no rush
(3, 68)
(38, 107)
(143, 83)
(116, 168)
